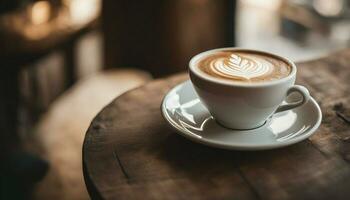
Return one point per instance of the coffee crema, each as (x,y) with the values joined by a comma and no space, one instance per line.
(244,66)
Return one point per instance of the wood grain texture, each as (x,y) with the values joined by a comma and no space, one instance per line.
(130,152)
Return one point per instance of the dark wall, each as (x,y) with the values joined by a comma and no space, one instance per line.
(161,36)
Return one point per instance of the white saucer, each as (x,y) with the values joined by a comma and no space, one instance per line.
(182,109)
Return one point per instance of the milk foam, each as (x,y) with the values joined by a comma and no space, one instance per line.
(241,66)
(244,66)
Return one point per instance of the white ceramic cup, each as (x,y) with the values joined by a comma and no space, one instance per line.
(238,105)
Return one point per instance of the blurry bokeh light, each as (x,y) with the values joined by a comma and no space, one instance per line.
(328,8)
(40,12)
(82,11)
(270,4)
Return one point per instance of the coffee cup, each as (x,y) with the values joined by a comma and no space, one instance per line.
(242,88)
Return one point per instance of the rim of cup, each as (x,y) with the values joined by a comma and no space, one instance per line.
(204,77)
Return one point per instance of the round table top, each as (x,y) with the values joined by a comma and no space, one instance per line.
(130,152)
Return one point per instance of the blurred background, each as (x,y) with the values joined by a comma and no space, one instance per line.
(63,60)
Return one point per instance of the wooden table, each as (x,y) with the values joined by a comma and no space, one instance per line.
(130,152)
(24,43)
(18,168)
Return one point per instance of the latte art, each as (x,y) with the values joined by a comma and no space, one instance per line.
(244,66)
(239,66)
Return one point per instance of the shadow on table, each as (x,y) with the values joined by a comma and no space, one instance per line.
(199,160)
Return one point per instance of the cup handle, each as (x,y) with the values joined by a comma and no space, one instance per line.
(305,98)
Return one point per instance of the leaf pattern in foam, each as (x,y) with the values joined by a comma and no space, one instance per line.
(240,66)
